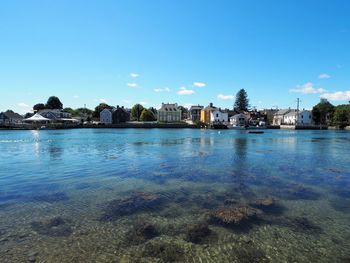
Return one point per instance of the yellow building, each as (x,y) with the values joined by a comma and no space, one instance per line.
(206,113)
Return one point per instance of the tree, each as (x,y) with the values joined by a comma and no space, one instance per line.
(341,117)
(70,110)
(100,108)
(242,102)
(136,112)
(54,103)
(147,115)
(322,112)
(184,112)
(38,106)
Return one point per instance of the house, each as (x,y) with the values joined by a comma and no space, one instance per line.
(239,120)
(305,117)
(290,117)
(293,117)
(169,113)
(57,116)
(278,117)
(106,116)
(195,113)
(10,118)
(211,114)
(120,115)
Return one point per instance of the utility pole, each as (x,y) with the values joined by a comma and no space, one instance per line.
(297,113)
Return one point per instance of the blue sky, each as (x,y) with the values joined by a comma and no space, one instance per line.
(185,51)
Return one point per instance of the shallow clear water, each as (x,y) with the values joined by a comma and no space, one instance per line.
(135,195)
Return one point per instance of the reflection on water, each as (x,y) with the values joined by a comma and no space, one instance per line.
(125,195)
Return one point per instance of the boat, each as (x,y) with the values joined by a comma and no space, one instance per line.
(256,132)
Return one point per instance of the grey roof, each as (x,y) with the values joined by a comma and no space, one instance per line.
(196,107)
(282,111)
(169,107)
(291,113)
(11,115)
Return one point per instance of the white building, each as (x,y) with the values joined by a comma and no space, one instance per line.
(239,120)
(106,116)
(278,117)
(305,117)
(293,117)
(219,116)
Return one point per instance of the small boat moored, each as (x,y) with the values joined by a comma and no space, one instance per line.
(256,132)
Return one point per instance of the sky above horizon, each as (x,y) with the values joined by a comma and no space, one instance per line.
(185,51)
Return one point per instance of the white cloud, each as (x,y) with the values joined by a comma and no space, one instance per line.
(162,90)
(338,95)
(324,76)
(76,97)
(199,84)
(225,97)
(308,88)
(143,102)
(132,85)
(103,101)
(185,91)
(23,105)
(134,75)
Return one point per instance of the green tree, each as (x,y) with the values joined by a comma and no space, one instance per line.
(70,110)
(147,115)
(242,102)
(38,106)
(99,108)
(184,112)
(54,103)
(341,117)
(322,112)
(136,112)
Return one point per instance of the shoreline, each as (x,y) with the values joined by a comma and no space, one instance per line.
(158,126)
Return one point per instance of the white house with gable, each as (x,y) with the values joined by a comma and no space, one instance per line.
(218,116)
(106,116)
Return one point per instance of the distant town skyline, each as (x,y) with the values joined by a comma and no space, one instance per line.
(187,52)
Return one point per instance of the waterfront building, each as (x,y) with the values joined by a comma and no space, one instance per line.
(239,120)
(120,115)
(293,117)
(212,114)
(195,113)
(106,116)
(169,113)
(57,116)
(278,117)
(10,118)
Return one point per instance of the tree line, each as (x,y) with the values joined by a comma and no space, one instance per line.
(325,113)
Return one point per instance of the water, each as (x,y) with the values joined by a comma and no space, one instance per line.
(164,195)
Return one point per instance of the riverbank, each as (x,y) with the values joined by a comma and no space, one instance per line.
(133,125)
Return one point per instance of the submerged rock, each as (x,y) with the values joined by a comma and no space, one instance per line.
(51,198)
(234,214)
(56,226)
(301,224)
(341,204)
(165,251)
(248,252)
(263,202)
(298,192)
(196,233)
(142,231)
(130,205)
(343,192)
